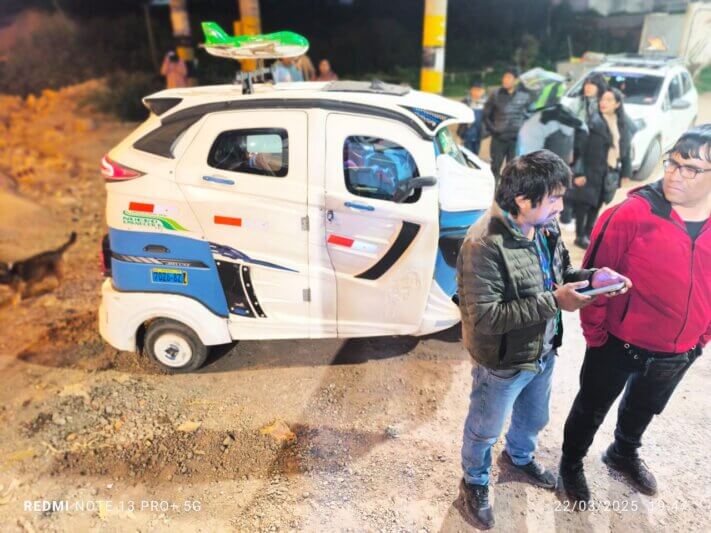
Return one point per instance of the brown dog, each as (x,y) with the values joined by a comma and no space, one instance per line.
(26,277)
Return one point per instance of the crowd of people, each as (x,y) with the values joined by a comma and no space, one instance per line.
(175,70)
(594,140)
(301,69)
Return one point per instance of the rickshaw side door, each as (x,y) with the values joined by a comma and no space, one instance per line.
(245,176)
(382,252)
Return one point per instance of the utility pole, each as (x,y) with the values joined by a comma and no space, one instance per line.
(250,23)
(433,40)
(180,21)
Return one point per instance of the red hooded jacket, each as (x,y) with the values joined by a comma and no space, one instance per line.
(669,307)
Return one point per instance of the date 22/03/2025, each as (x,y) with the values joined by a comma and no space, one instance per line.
(601,505)
(621,506)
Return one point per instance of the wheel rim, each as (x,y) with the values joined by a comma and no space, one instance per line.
(172,350)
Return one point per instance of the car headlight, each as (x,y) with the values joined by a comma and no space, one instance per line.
(639,124)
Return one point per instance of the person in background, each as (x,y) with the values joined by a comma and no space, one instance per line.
(552,126)
(504,113)
(285,70)
(644,344)
(605,157)
(175,71)
(306,67)
(471,134)
(324,71)
(593,87)
(556,128)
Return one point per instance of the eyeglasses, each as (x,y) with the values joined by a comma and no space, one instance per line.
(685,171)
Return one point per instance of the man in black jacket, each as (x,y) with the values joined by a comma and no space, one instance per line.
(504,114)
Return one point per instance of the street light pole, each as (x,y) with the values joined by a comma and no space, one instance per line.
(433,41)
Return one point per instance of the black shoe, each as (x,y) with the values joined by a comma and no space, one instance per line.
(633,468)
(582,242)
(535,472)
(476,501)
(571,479)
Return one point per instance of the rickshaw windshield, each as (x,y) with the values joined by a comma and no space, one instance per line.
(445,144)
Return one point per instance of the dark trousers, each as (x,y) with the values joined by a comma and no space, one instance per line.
(585,217)
(566,216)
(501,149)
(473,145)
(607,370)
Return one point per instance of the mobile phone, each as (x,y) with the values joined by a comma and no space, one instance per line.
(587,291)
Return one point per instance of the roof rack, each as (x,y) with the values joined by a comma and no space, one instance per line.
(652,60)
(375,86)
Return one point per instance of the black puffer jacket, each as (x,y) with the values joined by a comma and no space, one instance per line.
(593,158)
(502,298)
(505,112)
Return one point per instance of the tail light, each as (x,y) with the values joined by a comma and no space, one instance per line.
(105,256)
(113,171)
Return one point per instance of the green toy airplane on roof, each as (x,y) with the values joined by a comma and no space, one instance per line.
(265,46)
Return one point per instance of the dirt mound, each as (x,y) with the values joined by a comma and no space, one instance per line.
(50,149)
(210,455)
(74,342)
(125,428)
(33,133)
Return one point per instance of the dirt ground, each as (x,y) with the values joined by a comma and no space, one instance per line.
(328,435)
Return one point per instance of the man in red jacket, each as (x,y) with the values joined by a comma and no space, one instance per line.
(645,341)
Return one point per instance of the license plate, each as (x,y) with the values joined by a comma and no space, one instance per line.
(169,275)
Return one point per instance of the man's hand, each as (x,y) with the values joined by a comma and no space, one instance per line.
(580,181)
(606,276)
(568,298)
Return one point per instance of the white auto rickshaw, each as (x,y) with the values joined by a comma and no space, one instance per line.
(293,210)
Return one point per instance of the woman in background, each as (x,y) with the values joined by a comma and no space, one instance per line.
(593,88)
(604,158)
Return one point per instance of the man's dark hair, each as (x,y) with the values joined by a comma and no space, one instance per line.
(512,69)
(532,176)
(690,144)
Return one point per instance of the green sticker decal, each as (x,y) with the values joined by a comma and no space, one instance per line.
(147,220)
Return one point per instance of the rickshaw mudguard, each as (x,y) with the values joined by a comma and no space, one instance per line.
(164,263)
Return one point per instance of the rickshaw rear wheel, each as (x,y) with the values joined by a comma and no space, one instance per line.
(174,346)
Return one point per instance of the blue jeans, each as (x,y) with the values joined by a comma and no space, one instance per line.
(495,394)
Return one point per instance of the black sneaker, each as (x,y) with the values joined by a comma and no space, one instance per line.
(476,502)
(571,480)
(633,468)
(535,472)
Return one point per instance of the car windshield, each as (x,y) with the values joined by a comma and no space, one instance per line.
(638,88)
(445,144)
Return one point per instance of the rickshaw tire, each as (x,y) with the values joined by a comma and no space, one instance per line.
(162,326)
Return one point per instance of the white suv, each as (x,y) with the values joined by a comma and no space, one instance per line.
(660,97)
